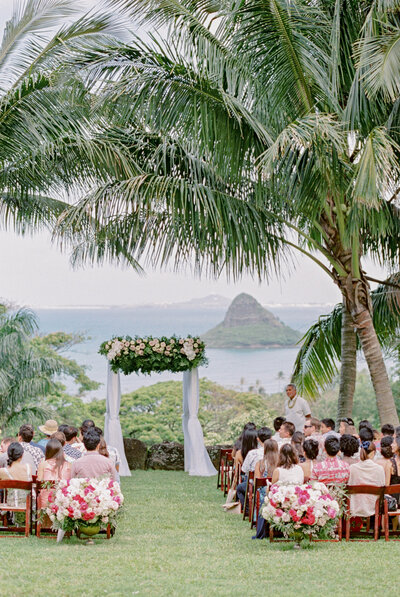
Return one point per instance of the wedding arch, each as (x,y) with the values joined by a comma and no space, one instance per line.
(154,355)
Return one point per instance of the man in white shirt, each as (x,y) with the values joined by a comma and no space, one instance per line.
(297,410)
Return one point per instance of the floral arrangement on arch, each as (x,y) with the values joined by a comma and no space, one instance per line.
(83,502)
(302,511)
(147,355)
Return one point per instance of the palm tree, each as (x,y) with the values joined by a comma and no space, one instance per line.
(256,129)
(50,140)
(322,347)
(25,375)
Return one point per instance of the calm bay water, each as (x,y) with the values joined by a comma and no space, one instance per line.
(231,368)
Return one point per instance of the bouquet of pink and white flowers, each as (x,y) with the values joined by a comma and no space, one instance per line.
(302,511)
(78,502)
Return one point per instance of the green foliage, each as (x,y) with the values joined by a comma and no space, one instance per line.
(30,370)
(154,413)
(147,355)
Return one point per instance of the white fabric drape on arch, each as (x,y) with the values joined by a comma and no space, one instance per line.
(112,426)
(197,460)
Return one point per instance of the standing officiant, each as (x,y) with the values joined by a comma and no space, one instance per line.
(297,410)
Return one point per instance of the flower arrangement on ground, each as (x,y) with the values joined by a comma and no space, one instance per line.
(147,355)
(301,512)
(84,502)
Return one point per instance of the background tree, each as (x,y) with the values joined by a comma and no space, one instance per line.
(257,128)
(317,362)
(31,369)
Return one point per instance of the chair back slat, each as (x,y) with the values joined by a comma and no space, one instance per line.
(391,489)
(11,484)
(365,489)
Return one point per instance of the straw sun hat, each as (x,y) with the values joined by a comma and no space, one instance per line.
(50,427)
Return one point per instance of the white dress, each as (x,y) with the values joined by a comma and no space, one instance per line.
(294,474)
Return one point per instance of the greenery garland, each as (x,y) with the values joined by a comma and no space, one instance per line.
(148,355)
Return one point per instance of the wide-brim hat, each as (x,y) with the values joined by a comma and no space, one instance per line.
(50,427)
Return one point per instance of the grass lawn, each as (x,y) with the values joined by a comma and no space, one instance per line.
(174,539)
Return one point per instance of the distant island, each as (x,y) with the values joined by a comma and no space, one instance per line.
(248,324)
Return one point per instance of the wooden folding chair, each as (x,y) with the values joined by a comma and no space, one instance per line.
(249,493)
(390,490)
(5,507)
(223,468)
(255,502)
(365,490)
(39,526)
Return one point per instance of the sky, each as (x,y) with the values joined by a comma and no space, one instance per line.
(35,273)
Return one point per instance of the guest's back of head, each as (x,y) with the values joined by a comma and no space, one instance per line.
(386,447)
(249,442)
(311,448)
(332,445)
(264,433)
(297,443)
(26,432)
(14,452)
(287,456)
(387,429)
(70,432)
(366,434)
(271,457)
(349,445)
(277,423)
(91,440)
(60,436)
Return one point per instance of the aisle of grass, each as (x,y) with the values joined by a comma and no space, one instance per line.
(174,539)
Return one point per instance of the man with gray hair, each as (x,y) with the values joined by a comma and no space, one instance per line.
(297,410)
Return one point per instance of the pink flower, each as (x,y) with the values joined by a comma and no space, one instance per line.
(294,515)
(331,512)
(279,512)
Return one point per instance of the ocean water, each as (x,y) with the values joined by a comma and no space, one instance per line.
(232,368)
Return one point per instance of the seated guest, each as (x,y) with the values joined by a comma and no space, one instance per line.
(238,443)
(71,452)
(349,447)
(364,424)
(395,460)
(331,470)
(253,456)
(344,426)
(53,468)
(328,429)
(92,464)
(311,449)
(365,472)
(286,432)
(16,470)
(25,435)
(366,434)
(266,466)
(297,444)
(50,427)
(386,461)
(111,451)
(387,430)
(288,469)
(249,443)
(277,423)
(26,458)
(312,428)
(84,427)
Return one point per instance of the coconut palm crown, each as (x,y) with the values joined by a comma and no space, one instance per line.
(257,129)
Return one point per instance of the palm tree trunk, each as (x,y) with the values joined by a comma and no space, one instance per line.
(348,370)
(380,379)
